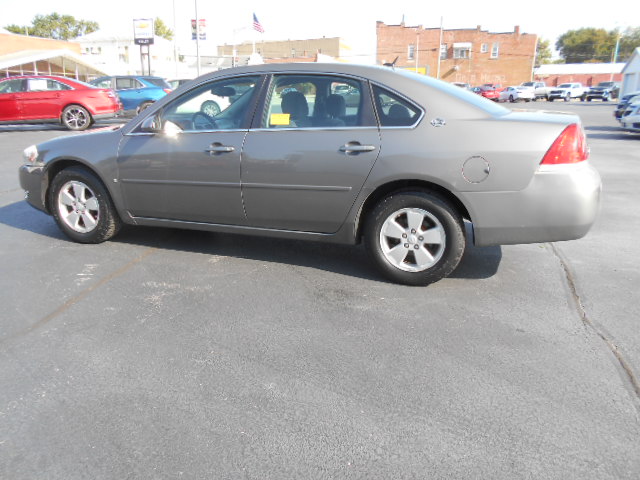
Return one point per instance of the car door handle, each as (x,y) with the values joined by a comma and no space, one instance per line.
(355,147)
(219,148)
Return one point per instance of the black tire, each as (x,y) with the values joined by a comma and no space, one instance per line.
(95,218)
(210,107)
(605,97)
(440,219)
(143,106)
(589,99)
(511,99)
(567,98)
(76,117)
(549,99)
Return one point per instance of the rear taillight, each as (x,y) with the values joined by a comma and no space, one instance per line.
(167,90)
(569,147)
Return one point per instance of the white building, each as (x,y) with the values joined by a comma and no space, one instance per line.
(117,54)
(631,74)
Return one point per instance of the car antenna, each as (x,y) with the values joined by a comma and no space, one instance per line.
(392,64)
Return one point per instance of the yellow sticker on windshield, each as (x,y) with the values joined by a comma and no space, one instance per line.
(280,119)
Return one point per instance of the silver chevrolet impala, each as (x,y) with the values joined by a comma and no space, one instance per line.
(327,152)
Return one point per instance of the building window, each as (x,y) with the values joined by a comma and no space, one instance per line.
(443,51)
(484,48)
(462,51)
(495,49)
(411,52)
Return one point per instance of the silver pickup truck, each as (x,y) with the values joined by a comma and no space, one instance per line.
(540,89)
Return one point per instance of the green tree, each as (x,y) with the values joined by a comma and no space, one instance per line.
(162,30)
(586,45)
(54,25)
(543,52)
(629,41)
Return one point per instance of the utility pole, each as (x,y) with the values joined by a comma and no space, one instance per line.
(417,48)
(439,52)
(615,56)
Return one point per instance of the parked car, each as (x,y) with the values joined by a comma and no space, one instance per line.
(631,118)
(567,91)
(516,93)
(604,91)
(540,89)
(136,92)
(178,82)
(49,99)
(402,172)
(489,92)
(625,101)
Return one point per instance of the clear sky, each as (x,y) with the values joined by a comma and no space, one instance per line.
(354,20)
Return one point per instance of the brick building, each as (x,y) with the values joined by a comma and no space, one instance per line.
(467,55)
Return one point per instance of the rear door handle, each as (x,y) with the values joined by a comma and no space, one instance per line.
(355,147)
(219,148)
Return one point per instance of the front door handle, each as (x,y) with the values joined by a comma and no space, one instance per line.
(219,148)
(355,147)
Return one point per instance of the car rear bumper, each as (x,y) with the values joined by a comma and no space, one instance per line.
(560,203)
(31,177)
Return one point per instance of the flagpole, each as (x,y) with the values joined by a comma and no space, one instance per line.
(197,38)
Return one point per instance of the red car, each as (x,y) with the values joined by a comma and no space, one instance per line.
(40,98)
(489,91)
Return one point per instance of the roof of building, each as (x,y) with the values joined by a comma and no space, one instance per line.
(70,59)
(578,68)
(634,55)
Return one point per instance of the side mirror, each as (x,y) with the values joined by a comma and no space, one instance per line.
(151,124)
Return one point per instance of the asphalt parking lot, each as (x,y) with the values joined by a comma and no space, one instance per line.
(182,354)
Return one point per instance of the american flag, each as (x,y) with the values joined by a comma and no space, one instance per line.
(256,24)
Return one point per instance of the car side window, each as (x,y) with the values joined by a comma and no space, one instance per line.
(105,83)
(127,83)
(218,105)
(394,111)
(12,86)
(314,101)
(55,85)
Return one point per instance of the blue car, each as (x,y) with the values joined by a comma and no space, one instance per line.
(136,92)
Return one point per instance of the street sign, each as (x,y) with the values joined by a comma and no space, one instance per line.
(143,31)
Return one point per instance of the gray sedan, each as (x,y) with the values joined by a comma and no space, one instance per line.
(401,168)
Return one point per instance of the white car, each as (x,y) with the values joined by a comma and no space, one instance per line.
(631,118)
(519,92)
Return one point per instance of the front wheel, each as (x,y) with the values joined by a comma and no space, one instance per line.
(415,238)
(75,117)
(81,206)
(567,98)
(511,99)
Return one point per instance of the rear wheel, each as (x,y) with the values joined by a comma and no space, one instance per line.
(81,206)
(143,106)
(75,117)
(415,238)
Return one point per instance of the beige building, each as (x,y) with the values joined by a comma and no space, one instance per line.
(287,50)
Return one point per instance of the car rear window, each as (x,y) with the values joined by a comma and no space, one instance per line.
(158,82)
